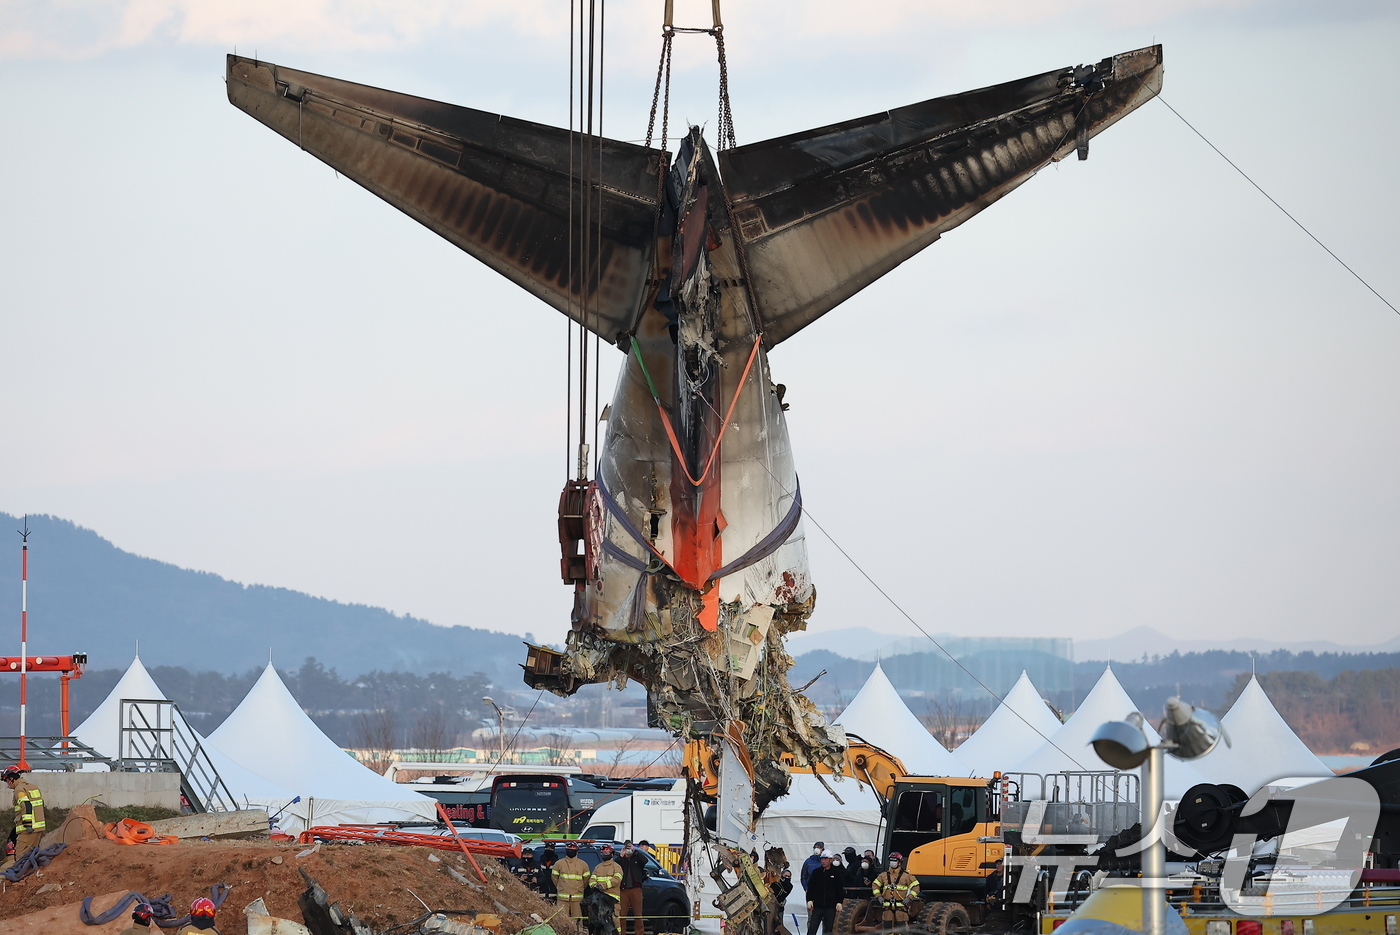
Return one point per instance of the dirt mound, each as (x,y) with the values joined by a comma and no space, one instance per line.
(377,883)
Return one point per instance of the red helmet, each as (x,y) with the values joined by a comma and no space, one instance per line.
(142,913)
(896,857)
(11,772)
(203,907)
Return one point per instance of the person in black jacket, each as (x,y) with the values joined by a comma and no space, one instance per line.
(634,874)
(826,890)
(548,858)
(851,861)
(870,866)
(782,889)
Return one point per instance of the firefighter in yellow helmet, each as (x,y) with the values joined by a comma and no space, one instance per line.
(895,889)
(29,815)
(570,879)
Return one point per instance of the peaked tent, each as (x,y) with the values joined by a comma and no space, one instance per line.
(270,733)
(102,728)
(102,731)
(1263,748)
(1016,729)
(1068,748)
(877,714)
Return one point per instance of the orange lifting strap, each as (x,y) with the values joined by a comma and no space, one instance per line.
(131,831)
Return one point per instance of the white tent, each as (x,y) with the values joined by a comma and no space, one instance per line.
(1068,748)
(1016,729)
(1263,748)
(878,715)
(270,733)
(102,731)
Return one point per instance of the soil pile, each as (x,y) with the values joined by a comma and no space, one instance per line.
(378,884)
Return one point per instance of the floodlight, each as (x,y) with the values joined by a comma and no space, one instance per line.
(1194,731)
(1122,744)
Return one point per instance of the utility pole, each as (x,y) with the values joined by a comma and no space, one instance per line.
(500,729)
(23,637)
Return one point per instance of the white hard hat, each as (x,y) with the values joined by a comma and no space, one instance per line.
(827,854)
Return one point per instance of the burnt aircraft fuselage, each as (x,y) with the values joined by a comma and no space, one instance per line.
(686,549)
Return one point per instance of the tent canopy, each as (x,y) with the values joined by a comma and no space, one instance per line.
(102,728)
(269,732)
(1017,728)
(1068,748)
(102,731)
(877,714)
(1262,749)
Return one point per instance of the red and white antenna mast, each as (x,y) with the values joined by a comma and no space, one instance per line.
(23,636)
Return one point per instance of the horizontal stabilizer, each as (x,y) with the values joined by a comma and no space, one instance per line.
(822,214)
(501,189)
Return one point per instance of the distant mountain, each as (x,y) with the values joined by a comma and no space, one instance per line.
(1145,640)
(851,642)
(87,595)
(867,645)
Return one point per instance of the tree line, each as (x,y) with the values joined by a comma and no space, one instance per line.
(1354,711)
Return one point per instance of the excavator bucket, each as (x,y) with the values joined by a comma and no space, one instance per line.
(497,187)
(821,215)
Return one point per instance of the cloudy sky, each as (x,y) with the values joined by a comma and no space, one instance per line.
(1130,394)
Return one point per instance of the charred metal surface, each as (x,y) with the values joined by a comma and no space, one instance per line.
(496,187)
(823,214)
(692,551)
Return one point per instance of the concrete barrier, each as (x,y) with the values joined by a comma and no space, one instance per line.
(65,790)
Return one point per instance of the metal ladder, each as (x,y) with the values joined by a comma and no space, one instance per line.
(156,738)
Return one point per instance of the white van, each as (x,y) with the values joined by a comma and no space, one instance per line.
(658,817)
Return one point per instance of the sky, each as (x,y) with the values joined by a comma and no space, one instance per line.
(1132,393)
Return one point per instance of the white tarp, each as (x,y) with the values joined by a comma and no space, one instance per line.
(1068,748)
(1263,748)
(808,813)
(878,715)
(269,732)
(1017,728)
(102,731)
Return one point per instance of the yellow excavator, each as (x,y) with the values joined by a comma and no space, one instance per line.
(948,828)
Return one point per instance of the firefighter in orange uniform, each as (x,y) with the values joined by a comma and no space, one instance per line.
(570,878)
(895,889)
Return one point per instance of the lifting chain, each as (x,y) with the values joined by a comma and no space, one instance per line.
(726,114)
(661,95)
(662,68)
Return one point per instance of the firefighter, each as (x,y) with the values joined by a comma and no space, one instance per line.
(607,876)
(894,889)
(29,815)
(570,877)
(202,915)
(142,916)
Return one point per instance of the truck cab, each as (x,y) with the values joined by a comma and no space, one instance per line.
(948,829)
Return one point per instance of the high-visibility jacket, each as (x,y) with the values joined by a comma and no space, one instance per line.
(570,877)
(896,887)
(608,876)
(29,807)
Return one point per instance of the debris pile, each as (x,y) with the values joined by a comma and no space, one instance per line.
(353,889)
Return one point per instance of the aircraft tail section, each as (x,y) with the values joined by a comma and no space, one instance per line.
(822,214)
(497,187)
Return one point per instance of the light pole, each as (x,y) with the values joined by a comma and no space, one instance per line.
(1187,733)
(500,729)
